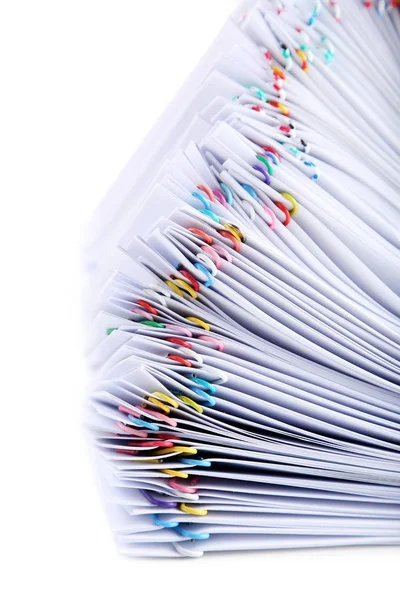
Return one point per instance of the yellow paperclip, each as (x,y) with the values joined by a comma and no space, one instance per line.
(279,72)
(180,474)
(156,402)
(205,326)
(193,511)
(289,197)
(232,231)
(301,55)
(180,449)
(174,288)
(191,403)
(284,109)
(167,399)
(239,231)
(185,286)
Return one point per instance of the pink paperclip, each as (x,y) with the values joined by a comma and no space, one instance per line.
(181,330)
(219,195)
(161,417)
(130,452)
(218,343)
(131,431)
(155,444)
(216,258)
(272,215)
(223,252)
(129,411)
(181,488)
(142,313)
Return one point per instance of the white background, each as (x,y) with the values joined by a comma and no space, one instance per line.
(83,81)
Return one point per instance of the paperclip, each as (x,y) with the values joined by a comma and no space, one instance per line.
(190,402)
(197,321)
(210,279)
(283,208)
(289,197)
(189,510)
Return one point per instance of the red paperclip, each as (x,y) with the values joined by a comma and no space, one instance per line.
(229,236)
(179,342)
(193,281)
(204,236)
(287,213)
(147,307)
(180,359)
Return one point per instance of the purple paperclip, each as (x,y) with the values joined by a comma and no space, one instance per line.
(156,502)
(264,173)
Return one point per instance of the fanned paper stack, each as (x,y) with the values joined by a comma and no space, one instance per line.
(244,296)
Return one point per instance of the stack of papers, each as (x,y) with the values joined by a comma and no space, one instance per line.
(243,296)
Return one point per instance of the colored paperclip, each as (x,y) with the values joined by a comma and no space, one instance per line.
(185,489)
(172,473)
(190,510)
(249,189)
(195,463)
(144,424)
(209,400)
(203,269)
(157,502)
(220,197)
(206,190)
(176,450)
(227,193)
(209,387)
(190,402)
(165,524)
(206,338)
(214,255)
(185,286)
(267,162)
(264,173)
(289,197)
(191,536)
(197,321)
(283,208)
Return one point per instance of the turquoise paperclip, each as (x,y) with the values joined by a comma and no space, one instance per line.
(169,525)
(192,536)
(209,400)
(142,423)
(205,201)
(209,387)
(250,190)
(227,193)
(209,213)
(195,463)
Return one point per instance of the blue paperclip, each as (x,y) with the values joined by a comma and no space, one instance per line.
(209,387)
(209,213)
(210,279)
(273,158)
(250,190)
(195,463)
(227,193)
(192,536)
(168,524)
(209,400)
(205,201)
(142,423)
